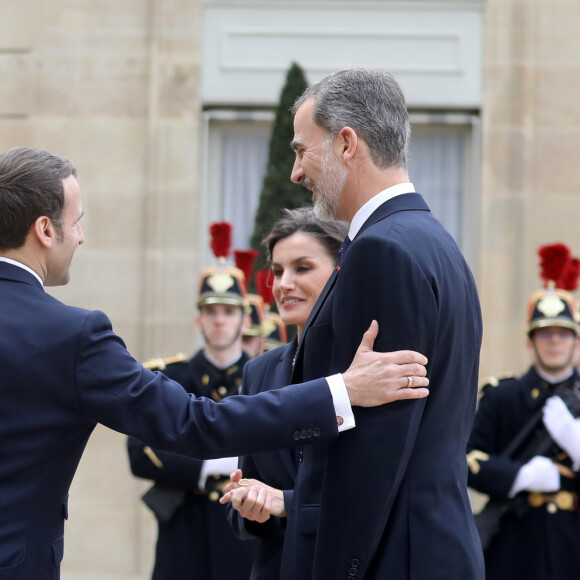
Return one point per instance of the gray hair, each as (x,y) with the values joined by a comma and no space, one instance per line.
(369,101)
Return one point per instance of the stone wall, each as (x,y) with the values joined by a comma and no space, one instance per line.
(114,86)
(530,169)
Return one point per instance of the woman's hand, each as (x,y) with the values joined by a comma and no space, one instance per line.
(254,500)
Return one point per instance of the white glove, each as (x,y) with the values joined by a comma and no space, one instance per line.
(563,428)
(222,466)
(538,474)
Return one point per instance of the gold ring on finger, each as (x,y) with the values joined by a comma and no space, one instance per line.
(410,379)
(245,482)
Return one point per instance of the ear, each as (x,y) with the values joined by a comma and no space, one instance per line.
(246,323)
(44,231)
(347,139)
(530,347)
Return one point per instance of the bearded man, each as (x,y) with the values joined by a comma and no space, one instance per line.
(389,499)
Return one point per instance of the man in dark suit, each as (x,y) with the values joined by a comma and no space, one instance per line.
(389,498)
(64,371)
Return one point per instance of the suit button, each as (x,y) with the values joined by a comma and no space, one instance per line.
(354,563)
(309,433)
(296,435)
(303,434)
(316,432)
(353,572)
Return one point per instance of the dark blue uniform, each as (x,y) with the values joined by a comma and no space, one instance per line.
(195,541)
(541,539)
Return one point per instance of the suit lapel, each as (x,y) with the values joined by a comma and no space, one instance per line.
(321,300)
(405,202)
(297,372)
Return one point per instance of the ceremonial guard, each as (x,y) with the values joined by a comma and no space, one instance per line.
(194,540)
(253,339)
(275,333)
(524,451)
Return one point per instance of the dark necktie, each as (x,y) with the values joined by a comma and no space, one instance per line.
(343,249)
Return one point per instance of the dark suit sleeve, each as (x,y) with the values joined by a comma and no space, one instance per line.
(115,390)
(489,472)
(380,281)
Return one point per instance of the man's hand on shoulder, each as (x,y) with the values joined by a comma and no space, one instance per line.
(376,378)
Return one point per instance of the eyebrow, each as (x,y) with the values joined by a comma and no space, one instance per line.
(300,259)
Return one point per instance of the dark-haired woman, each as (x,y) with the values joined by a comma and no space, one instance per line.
(302,250)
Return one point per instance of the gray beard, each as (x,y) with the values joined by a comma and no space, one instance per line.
(329,187)
(324,209)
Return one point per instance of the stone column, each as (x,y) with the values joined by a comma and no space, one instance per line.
(530,175)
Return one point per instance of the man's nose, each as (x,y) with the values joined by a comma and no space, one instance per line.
(297,175)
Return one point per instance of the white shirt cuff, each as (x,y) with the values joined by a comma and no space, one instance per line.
(221,466)
(341,401)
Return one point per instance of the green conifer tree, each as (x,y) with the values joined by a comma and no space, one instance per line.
(278,191)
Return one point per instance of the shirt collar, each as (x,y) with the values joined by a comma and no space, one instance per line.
(554,380)
(21,265)
(219,365)
(363,214)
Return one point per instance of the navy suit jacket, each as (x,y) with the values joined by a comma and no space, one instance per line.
(64,371)
(270,370)
(389,498)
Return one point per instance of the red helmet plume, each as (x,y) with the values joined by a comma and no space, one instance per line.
(558,266)
(264,286)
(221,239)
(245,262)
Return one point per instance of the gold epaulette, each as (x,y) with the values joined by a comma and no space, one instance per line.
(159,364)
(494,381)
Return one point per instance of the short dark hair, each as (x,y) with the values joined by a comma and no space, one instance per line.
(329,233)
(30,187)
(371,102)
